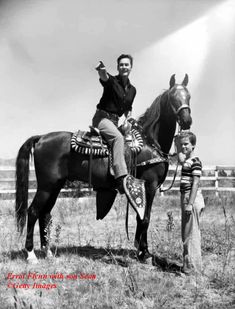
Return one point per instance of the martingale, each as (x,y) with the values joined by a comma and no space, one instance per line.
(86,142)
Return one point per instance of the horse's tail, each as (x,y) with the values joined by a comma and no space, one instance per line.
(22,180)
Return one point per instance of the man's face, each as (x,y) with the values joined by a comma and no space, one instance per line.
(124,67)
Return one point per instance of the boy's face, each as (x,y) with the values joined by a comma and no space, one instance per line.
(186,146)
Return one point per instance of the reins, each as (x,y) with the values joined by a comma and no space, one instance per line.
(175,173)
(173,180)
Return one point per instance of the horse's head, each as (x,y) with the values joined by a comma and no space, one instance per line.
(178,98)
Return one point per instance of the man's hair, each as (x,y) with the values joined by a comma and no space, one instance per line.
(190,135)
(125,56)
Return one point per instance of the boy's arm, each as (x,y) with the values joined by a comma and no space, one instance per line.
(193,193)
(103,74)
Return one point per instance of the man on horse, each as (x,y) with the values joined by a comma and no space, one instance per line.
(116,101)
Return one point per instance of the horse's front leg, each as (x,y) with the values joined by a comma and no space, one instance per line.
(141,241)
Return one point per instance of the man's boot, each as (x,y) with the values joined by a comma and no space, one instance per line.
(119,184)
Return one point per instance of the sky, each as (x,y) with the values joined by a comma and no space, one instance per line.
(48,51)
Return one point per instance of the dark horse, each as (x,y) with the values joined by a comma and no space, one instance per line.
(55,163)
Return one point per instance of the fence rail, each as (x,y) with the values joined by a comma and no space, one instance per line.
(214,179)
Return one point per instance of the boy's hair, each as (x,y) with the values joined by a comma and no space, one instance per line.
(191,136)
(125,56)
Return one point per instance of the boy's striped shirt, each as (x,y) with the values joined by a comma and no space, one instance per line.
(191,167)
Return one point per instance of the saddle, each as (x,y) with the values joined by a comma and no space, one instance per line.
(91,142)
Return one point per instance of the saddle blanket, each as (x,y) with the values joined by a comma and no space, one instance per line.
(86,142)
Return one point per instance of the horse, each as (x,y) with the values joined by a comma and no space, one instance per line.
(55,162)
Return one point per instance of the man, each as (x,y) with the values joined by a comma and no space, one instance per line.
(117,99)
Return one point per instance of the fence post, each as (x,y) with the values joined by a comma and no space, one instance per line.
(216,181)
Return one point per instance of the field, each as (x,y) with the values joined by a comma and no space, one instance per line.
(95,266)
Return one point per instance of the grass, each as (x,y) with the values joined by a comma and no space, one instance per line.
(95,266)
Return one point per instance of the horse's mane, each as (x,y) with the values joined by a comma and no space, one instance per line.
(149,121)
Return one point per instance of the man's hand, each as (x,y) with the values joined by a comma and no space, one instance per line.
(125,127)
(101,69)
(100,66)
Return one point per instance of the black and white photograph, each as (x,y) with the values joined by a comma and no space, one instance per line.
(117,154)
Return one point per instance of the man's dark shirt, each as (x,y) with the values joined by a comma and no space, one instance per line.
(116,98)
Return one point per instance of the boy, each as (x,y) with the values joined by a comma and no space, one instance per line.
(192,202)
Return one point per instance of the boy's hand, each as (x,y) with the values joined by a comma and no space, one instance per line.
(188,210)
(188,207)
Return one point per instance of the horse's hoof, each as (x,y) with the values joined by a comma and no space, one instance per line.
(48,253)
(32,259)
(145,257)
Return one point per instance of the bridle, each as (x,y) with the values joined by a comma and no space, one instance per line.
(183,106)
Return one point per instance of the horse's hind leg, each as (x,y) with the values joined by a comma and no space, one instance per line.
(45,222)
(39,204)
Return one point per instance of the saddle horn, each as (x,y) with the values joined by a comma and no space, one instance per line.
(172,81)
(185,81)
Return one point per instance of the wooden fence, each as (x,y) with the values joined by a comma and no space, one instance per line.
(214,179)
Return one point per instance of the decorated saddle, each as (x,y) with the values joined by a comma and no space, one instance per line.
(135,192)
(92,142)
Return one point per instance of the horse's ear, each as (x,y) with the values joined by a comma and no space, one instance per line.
(185,81)
(172,81)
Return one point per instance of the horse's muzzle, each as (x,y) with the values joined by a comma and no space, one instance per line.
(185,119)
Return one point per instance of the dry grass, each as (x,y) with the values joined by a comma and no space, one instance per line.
(83,245)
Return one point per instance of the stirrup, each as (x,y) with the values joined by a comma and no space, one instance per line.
(135,192)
